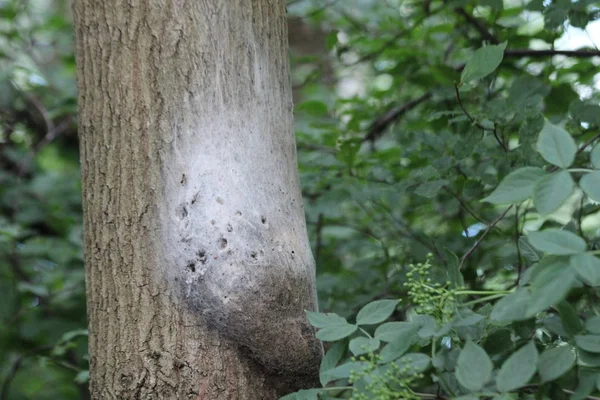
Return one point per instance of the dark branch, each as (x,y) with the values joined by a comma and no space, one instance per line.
(478,242)
(380,124)
(582,53)
(483,31)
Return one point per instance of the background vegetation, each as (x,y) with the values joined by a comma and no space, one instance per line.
(448,162)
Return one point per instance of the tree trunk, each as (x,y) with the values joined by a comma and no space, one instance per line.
(198,264)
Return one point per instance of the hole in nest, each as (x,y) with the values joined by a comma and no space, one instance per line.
(191,266)
(254,254)
(202,256)
(229,228)
(263,219)
(222,243)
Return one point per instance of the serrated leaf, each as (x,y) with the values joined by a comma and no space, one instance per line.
(391,330)
(511,307)
(483,62)
(551,191)
(554,363)
(527,250)
(376,312)
(333,333)
(589,343)
(330,360)
(593,324)
(595,156)
(430,189)
(587,267)
(518,369)
(553,241)
(556,145)
(590,184)
(473,367)
(516,186)
(362,345)
(550,287)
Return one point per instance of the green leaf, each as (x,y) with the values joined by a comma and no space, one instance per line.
(431,189)
(593,324)
(518,369)
(553,241)
(363,345)
(555,362)
(483,62)
(589,343)
(496,5)
(550,287)
(586,384)
(397,347)
(569,318)
(413,362)
(453,273)
(473,367)
(82,377)
(556,145)
(333,333)
(595,156)
(587,267)
(516,186)
(590,184)
(392,330)
(321,320)
(376,312)
(512,307)
(551,191)
(330,360)
(344,370)
(313,107)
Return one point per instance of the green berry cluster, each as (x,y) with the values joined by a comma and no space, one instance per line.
(389,382)
(430,298)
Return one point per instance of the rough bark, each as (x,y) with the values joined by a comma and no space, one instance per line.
(198,265)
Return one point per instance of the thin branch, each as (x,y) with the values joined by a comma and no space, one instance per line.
(477,124)
(380,124)
(483,31)
(483,235)
(465,206)
(587,143)
(551,52)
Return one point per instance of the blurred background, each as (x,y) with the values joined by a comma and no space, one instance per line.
(392,166)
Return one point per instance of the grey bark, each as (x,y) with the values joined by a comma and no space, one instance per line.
(197,260)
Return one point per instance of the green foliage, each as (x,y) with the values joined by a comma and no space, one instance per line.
(471,196)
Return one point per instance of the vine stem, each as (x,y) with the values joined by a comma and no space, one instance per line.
(484,299)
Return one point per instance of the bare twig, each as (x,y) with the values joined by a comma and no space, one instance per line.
(483,31)
(477,124)
(483,235)
(465,205)
(380,124)
(546,53)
